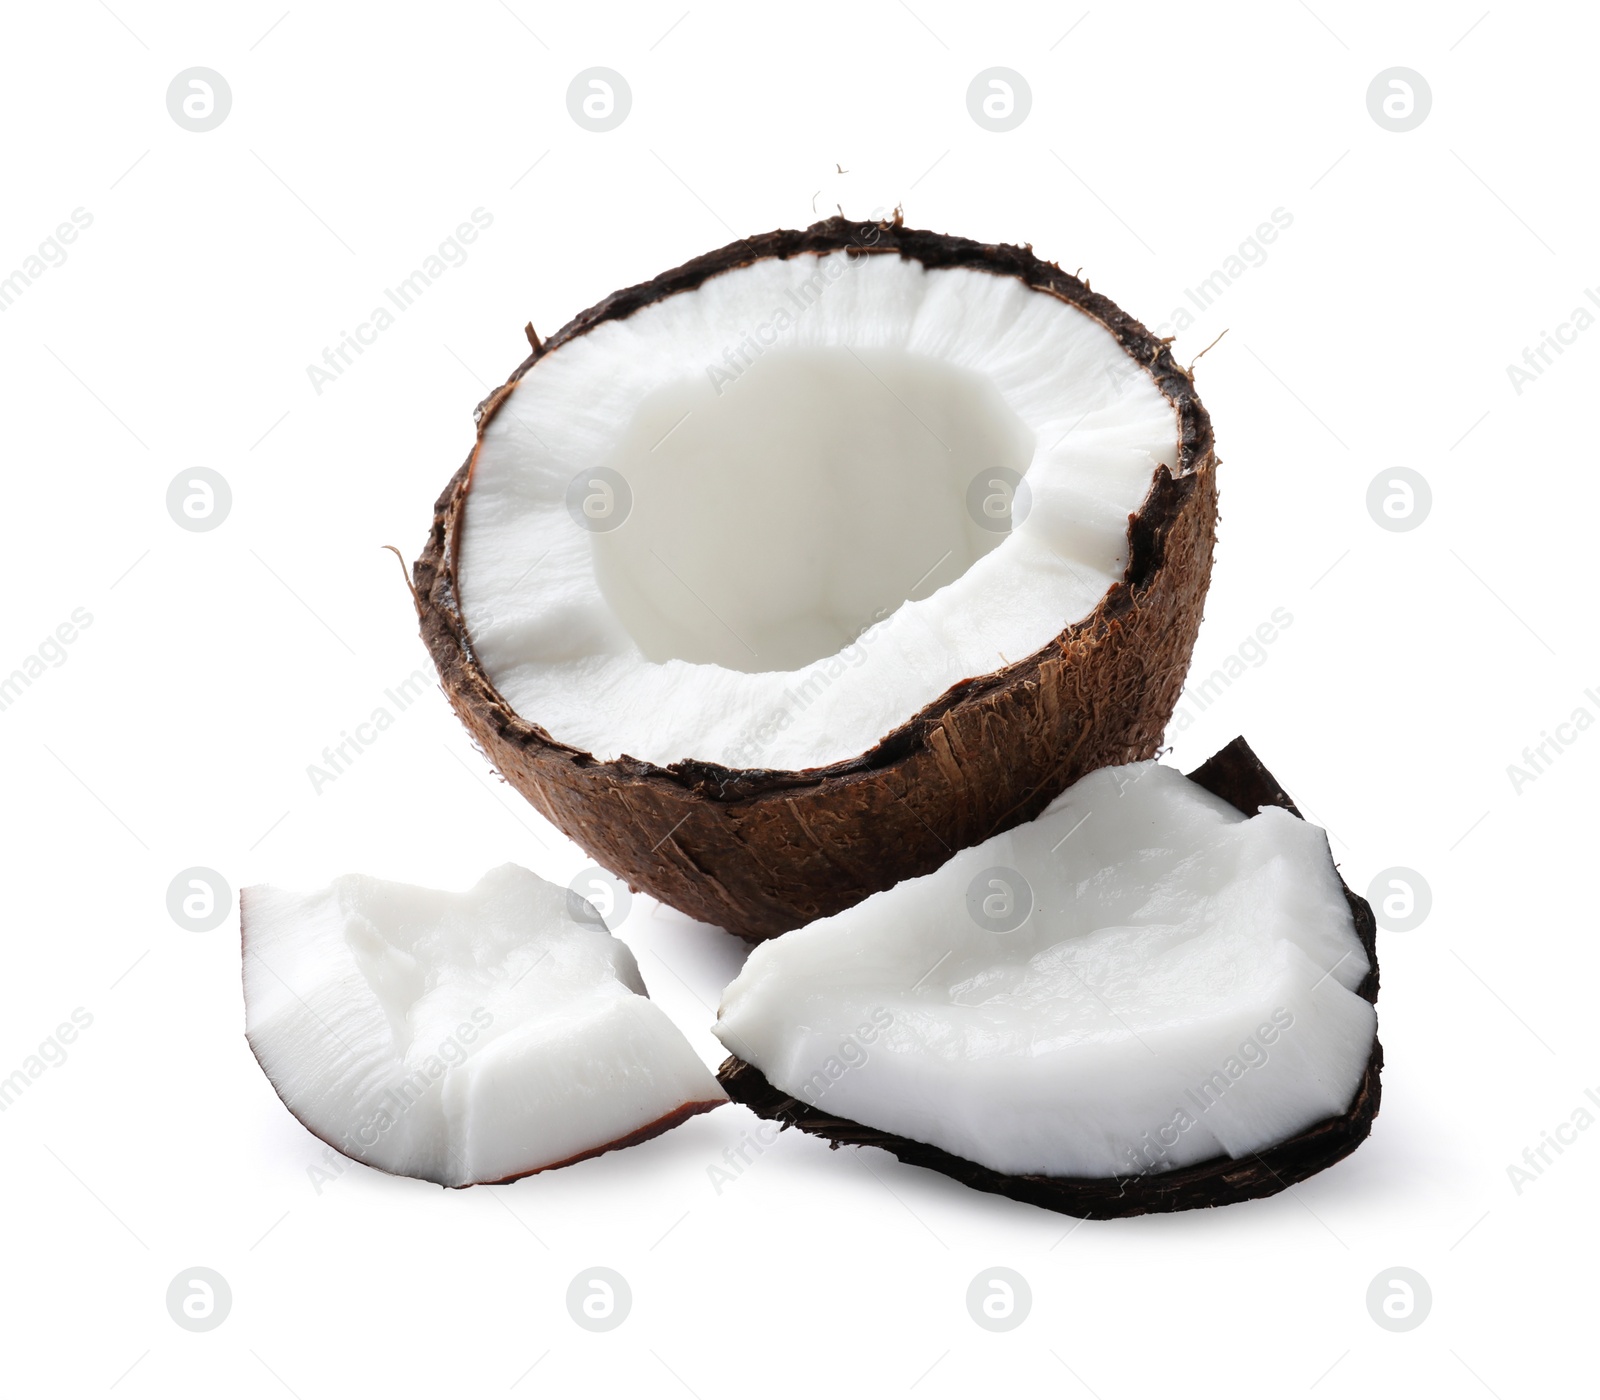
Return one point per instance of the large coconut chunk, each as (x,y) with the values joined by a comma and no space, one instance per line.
(1140,980)
(459,1038)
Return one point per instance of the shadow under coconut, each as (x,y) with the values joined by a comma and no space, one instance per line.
(942,1205)
(702,956)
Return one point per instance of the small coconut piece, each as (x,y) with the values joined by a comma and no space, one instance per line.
(460,1038)
(1173,1006)
(778,578)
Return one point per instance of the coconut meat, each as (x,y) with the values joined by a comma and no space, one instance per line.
(764,522)
(458,1037)
(1182,986)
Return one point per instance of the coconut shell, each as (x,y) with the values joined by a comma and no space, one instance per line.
(1236,775)
(760,851)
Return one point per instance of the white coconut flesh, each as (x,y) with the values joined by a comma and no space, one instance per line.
(1182,988)
(458,1037)
(764,522)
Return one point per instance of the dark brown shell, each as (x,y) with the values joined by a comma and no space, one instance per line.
(759,851)
(1236,775)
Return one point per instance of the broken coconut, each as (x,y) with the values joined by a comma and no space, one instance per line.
(460,1038)
(773,581)
(1156,995)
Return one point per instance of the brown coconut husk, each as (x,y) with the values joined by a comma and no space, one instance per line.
(758,850)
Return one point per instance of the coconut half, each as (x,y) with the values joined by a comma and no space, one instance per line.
(1156,995)
(778,579)
(460,1038)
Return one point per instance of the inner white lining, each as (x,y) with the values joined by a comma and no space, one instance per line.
(774,523)
(799,566)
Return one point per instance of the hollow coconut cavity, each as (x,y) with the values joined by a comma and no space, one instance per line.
(460,1038)
(1157,994)
(775,579)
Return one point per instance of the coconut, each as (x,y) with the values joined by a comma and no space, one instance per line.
(1156,995)
(777,579)
(463,1037)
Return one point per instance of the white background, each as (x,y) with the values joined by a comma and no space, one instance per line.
(218,665)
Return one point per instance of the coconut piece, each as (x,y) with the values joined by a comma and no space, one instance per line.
(460,1038)
(777,579)
(1174,1007)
